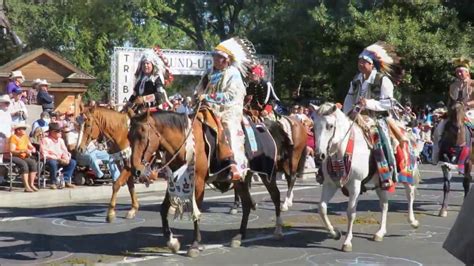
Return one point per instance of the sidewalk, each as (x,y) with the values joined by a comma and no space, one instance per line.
(17,198)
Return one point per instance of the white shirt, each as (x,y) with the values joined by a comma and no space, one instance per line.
(5,129)
(16,106)
(386,94)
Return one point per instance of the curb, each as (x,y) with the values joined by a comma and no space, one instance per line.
(59,197)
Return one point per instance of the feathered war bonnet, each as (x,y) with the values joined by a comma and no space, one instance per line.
(383,56)
(241,53)
(160,64)
(463,63)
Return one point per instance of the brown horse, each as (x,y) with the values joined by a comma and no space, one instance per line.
(454,137)
(167,131)
(114,127)
(291,156)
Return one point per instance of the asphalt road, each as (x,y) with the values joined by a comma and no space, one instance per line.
(78,234)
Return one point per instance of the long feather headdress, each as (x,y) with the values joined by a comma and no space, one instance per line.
(241,52)
(384,58)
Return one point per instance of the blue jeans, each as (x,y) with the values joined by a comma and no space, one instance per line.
(67,170)
(103,156)
(427,151)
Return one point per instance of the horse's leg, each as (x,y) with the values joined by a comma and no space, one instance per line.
(235,208)
(466,183)
(384,208)
(354,191)
(410,192)
(290,179)
(124,176)
(244,193)
(329,190)
(131,189)
(446,188)
(172,243)
(275,195)
(199,189)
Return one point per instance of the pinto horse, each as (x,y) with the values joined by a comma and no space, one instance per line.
(334,129)
(454,146)
(170,132)
(291,156)
(114,127)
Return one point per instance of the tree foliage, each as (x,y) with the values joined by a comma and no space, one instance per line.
(315,43)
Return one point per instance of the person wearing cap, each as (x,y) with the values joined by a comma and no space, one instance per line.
(16,79)
(18,109)
(43,98)
(42,123)
(21,150)
(224,90)
(460,91)
(151,77)
(371,94)
(54,150)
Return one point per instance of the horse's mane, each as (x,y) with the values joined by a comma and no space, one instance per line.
(166,118)
(326,109)
(109,119)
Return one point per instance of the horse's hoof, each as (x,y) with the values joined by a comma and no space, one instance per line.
(415,224)
(193,252)
(110,218)
(233,211)
(235,243)
(174,245)
(443,213)
(284,208)
(278,235)
(347,248)
(131,214)
(378,238)
(336,235)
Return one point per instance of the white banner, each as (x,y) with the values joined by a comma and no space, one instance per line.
(125,62)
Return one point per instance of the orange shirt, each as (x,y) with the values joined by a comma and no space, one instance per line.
(21,143)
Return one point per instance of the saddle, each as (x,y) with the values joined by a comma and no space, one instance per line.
(209,119)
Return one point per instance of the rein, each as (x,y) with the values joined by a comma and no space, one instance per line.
(345,135)
(175,155)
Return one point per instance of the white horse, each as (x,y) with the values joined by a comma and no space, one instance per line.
(332,130)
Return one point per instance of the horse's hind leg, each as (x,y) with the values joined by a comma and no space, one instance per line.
(193,250)
(244,193)
(446,188)
(124,176)
(328,192)
(410,192)
(379,235)
(466,183)
(351,213)
(275,195)
(172,243)
(235,208)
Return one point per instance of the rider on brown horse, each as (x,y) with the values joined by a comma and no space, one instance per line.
(259,93)
(224,90)
(460,92)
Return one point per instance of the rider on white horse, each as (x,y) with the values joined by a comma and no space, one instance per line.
(460,91)
(371,92)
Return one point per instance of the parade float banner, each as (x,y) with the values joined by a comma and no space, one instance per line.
(125,62)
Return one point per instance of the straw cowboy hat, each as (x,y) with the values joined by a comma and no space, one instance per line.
(20,125)
(43,82)
(5,98)
(17,74)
